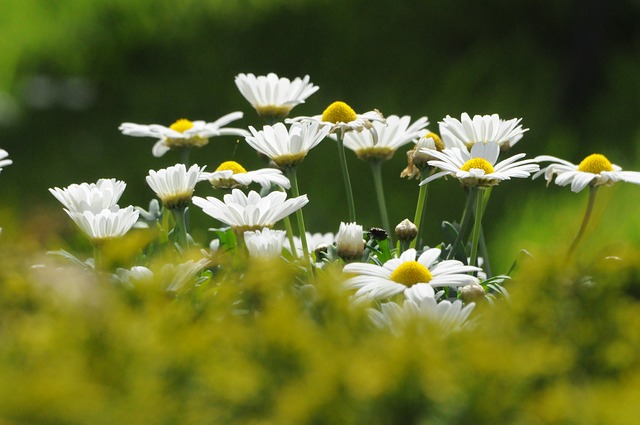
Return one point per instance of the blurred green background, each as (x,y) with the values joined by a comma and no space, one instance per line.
(72,70)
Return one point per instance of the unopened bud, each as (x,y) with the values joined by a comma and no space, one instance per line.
(472,293)
(406,231)
(378,233)
(349,241)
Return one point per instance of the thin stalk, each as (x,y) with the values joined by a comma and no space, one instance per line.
(181,227)
(475,236)
(483,243)
(464,222)
(98,257)
(184,156)
(289,228)
(295,192)
(585,221)
(376,169)
(420,210)
(347,181)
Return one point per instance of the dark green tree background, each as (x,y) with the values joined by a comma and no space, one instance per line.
(73,70)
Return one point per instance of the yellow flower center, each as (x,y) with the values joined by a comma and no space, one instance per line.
(436,139)
(411,272)
(339,112)
(479,163)
(181,125)
(595,164)
(233,166)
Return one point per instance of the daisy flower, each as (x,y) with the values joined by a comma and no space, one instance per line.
(416,313)
(349,241)
(478,167)
(250,212)
(273,97)
(4,160)
(174,185)
(340,118)
(467,131)
(106,224)
(417,159)
(315,241)
(184,133)
(287,148)
(94,197)
(397,132)
(594,170)
(265,243)
(230,175)
(415,278)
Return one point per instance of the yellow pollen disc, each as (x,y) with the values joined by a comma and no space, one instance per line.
(181,125)
(479,163)
(339,112)
(411,272)
(595,164)
(436,139)
(233,166)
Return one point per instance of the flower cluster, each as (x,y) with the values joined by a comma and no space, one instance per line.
(393,270)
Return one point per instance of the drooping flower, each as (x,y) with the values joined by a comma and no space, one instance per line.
(478,168)
(273,97)
(417,159)
(94,197)
(594,170)
(396,132)
(174,185)
(265,243)
(340,118)
(184,133)
(106,224)
(415,278)
(4,159)
(231,174)
(250,212)
(287,147)
(467,131)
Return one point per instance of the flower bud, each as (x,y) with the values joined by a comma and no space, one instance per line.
(472,293)
(406,231)
(349,241)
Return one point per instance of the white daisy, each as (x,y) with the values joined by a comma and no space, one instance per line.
(594,170)
(94,197)
(479,168)
(466,132)
(287,148)
(340,118)
(273,97)
(417,160)
(184,133)
(230,175)
(250,212)
(420,314)
(413,278)
(349,241)
(397,132)
(4,160)
(265,243)
(174,185)
(106,224)
(314,241)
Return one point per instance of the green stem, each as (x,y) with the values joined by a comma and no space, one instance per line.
(585,221)
(483,243)
(464,223)
(184,156)
(376,169)
(295,192)
(181,227)
(347,181)
(475,236)
(98,257)
(292,244)
(420,209)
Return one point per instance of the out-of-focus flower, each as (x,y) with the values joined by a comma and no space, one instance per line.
(478,168)
(4,159)
(250,212)
(94,197)
(106,224)
(273,97)
(265,243)
(231,174)
(184,133)
(174,185)
(594,170)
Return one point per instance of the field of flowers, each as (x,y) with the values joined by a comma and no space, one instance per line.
(270,322)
